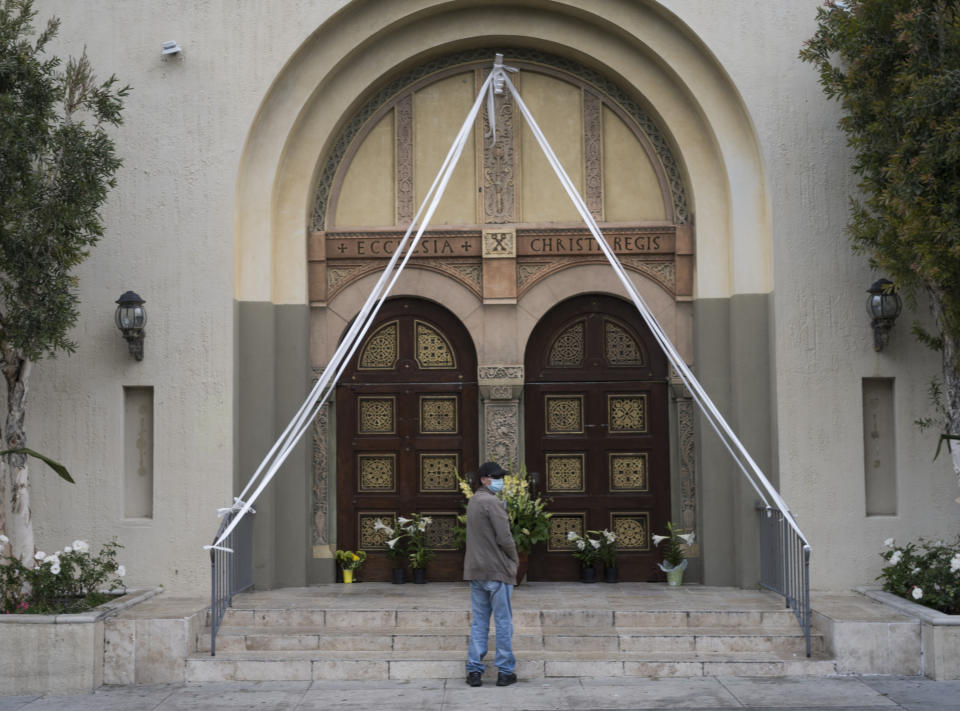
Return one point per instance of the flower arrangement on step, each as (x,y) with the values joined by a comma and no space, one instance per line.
(418,550)
(67,581)
(674,558)
(529,519)
(460,527)
(924,572)
(607,553)
(396,551)
(587,551)
(350,563)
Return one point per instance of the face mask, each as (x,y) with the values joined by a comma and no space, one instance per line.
(495,485)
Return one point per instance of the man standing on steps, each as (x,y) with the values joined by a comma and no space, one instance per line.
(490,564)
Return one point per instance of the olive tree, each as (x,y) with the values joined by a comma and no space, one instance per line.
(894,66)
(57,163)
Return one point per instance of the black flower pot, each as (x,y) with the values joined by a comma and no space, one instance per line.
(419,576)
(588,575)
(398,578)
(610,575)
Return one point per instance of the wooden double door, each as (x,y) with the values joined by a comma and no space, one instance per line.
(597,433)
(406,426)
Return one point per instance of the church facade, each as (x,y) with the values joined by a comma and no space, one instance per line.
(271,169)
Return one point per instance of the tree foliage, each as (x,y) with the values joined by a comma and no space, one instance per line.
(57,163)
(894,66)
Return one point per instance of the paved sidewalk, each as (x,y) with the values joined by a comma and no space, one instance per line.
(702,693)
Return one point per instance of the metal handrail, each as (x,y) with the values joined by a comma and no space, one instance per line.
(231,567)
(785,563)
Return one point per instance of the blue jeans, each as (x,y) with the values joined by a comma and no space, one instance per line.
(488,596)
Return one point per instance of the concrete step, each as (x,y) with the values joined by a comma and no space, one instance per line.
(308,665)
(379,619)
(619,639)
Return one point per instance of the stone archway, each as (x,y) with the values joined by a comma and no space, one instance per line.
(643,47)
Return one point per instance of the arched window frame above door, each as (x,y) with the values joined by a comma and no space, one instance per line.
(395,94)
(660,247)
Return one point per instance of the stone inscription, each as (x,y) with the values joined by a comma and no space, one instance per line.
(499,243)
(503,243)
(379,247)
(635,243)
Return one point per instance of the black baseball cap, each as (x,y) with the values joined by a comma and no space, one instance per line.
(491,470)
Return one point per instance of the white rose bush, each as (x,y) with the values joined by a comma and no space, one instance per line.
(69,580)
(925,572)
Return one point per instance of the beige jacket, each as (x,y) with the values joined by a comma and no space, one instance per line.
(491,553)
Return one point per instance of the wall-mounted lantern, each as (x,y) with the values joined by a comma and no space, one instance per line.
(883,306)
(131,317)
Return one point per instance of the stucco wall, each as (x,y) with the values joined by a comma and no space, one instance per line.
(822,339)
(216,184)
(170,237)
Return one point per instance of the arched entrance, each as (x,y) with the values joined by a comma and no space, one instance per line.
(597,432)
(406,425)
(300,134)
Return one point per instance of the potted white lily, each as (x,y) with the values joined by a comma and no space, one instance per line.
(674,560)
(587,551)
(418,551)
(396,552)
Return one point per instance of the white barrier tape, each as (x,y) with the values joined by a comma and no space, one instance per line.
(356,331)
(237,505)
(361,324)
(495,88)
(733,445)
(218,548)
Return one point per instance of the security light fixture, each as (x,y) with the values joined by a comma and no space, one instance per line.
(170,47)
(883,306)
(130,318)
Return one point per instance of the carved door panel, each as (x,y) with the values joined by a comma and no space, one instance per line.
(597,433)
(406,425)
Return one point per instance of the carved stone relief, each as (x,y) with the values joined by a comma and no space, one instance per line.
(501,392)
(500,382)
(530,272)
(502,431)
(466,272)
(469,274)
(404,128)
(499,181)
(688,462)
(318,533)
(337,277)
(593,153)
(499,244)
(500,372)
(663,272)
